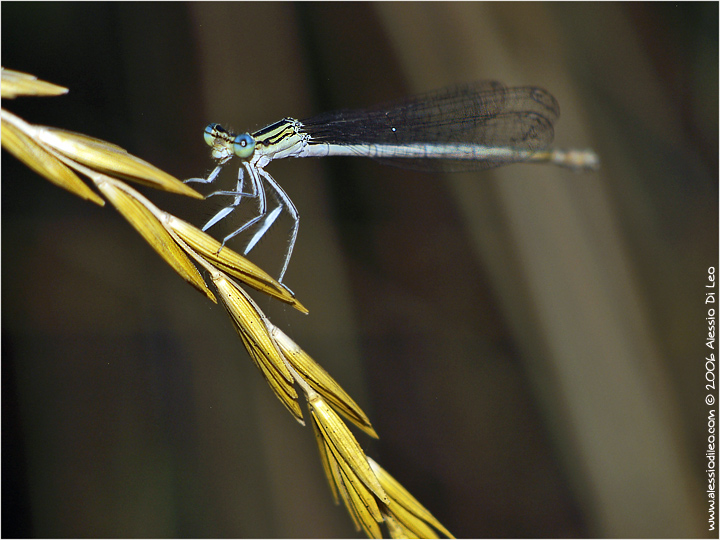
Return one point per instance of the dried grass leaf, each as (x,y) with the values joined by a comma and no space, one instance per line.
(396,529)
(16,140)
(417,527)
(152,230)
(233,263)
(345,496)
(284,391)
(110,159)
(325,459)
(362,503)
(252,327)
(321,381)
(16,83)
(343,445)
(359,501)
(336,479)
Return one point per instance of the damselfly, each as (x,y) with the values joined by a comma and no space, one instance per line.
(461,128)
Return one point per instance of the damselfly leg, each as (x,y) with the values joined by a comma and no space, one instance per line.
(264,219)
(238,194)
(284,203)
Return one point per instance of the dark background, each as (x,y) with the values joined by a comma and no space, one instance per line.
(528,342)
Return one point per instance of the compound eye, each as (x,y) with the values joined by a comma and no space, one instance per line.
(212,133)
(243,146)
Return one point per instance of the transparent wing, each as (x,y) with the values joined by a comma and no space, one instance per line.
(481,113)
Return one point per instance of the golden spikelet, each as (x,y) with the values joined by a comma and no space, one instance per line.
(347,468)
(17,139)
(16,83)
(321,381)
(144,217)
(252,327)
(233,263)
(110,159)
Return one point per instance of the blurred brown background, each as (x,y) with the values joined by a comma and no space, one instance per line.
(528,342)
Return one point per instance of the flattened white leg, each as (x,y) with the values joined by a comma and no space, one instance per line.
(211,177)
(258,191)
(238,194)
(239,187)
(220,215)
(284,202)
(264,227)
(225,211)
(247,225)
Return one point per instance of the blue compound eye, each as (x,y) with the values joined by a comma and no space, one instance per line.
(212,133)
(243,146)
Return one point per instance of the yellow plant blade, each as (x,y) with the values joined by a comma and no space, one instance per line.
(16,83)
(145,222)
(284,391)
(19,143)
(344,446)
(325,459)
(401,497)
(233,263)
(396,529)
(252,328)
(363,505)
(111,159)
(251,322)
(321,381)
(409,521)
(337,480)
(359,501)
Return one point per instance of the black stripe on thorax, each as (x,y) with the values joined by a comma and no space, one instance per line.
(281,127)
